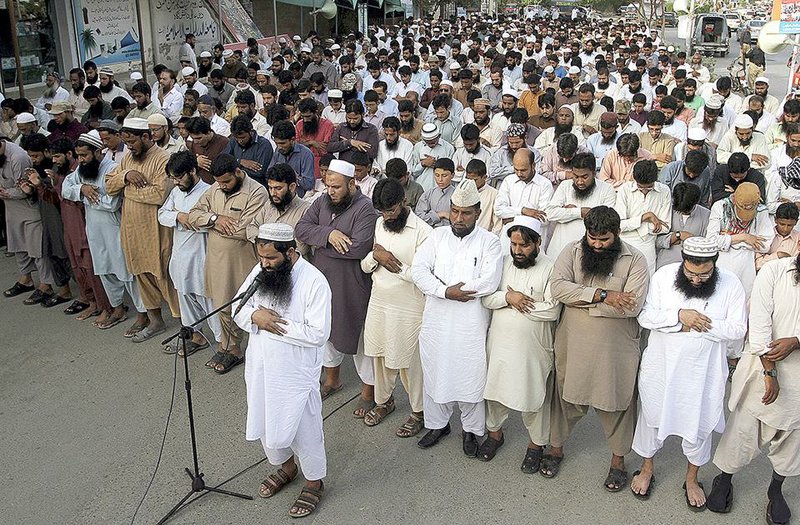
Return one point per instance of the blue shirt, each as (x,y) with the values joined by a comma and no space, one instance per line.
(259,150)
(302,162)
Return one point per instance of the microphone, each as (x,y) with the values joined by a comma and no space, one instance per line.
(259,280)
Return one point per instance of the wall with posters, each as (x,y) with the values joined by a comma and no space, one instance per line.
(106,31)
(170,20)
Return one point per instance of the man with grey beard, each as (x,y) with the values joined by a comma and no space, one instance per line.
(53,91)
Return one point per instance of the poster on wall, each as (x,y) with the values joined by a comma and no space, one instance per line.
(106,31)
(171,20)
(788,12)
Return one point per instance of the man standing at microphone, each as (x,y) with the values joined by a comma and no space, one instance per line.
(289,322)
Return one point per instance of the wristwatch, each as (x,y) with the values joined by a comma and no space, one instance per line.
(603,295)
(678,236)
(214,219)
(771,373)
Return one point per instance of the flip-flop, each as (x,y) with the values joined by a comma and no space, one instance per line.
(87,315)
(110,322)
(616,477)
(689,503)
(645,495)
(327,391)
(137,327)
(175,346)
(147,333)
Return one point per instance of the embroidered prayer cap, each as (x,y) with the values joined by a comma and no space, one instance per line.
(335,94)
(743,122)
(349,82)
(526,222)
(481,102)
(188,70)
(455,65)
(60,107)
(335,47)
(108,125)
(106,71)
(262,72)
(227,53)
(516,130)
(715,101)
(549,69)
(697,133)
(296,37)
(430,131)
(342,168)
(700,247)
(466,194)
(276,232)
(25,118)
(92,138)
(574,70)
(157,119)
(135,123)
(746,199)
(445,83)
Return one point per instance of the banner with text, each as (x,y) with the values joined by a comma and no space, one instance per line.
(171,20)
(106,31)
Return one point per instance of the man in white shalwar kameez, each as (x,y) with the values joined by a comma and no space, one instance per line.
(765,393)
(454,268)
(289,322)
(394,316)
(103,218)
(520,344)
(572,200)
(187,263)
(693,310)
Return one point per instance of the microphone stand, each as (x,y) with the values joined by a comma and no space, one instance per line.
(198,484)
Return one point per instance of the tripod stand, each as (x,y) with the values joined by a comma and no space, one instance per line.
(198,483)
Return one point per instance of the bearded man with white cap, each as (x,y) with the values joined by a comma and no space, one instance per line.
(340,226)
(693,310)
(771,103)
(289,322)
(425,154)
(159,126)
(190,82)
(711,118)
(109,87)
(456,266)
(520,344)
(744,138)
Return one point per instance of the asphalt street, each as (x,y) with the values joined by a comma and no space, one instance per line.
(84,412)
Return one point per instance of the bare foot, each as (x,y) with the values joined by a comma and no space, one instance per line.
(640,483)
(697,497)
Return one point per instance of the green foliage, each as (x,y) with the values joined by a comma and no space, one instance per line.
(88,41)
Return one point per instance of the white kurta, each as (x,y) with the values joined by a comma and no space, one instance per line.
(520,346)
(188,260)
(567,224)
(282,371)
(740,258)
(404,150)
(682,376)
(102,222)
(394,316)
(452,341)
(631,205)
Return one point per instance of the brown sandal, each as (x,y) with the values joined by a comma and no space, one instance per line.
(379,413)
(362,407)
(307,502)
(413,426)
(273,483)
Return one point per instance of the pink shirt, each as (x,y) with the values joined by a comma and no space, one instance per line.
(789,244)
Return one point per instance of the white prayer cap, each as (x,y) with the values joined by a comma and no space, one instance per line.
(336,47)
(135,123)
(466,194)
(227,53)
(508,92)
(92,138)
(697,133)
(549,69)
(527,222)
(106,71)
(262,72)
(342,168)
(700,247)
(445,83)
(25,118)
(743,122)
(157,119)
(715,101)
(188,70)
(136,76)
(765,80)
(574,70)
(335,93)
(275,231)
(296,37)
(206,54)
(430,131)
(455,65)
(305,49)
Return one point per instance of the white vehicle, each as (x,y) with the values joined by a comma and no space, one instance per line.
(754,26)
(734,22)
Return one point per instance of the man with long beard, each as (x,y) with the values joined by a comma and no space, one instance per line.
(501,164)
(519,346)
(141,178)
(693,310)
(573,199)
(87,185)
(600,143)
(456,266)
(781,184)
(602,283)
(145,106)
(394,316)
(340,226)
(393,145)
(312,131)
(410,127)
(289,322)
(587,112)
(742,137)
(285,206)
(776,135)
(97,109)
(226,209)
(709,117)
(771,103)
(109,87)
(92,299)
(77,81)
(470,146)
(53,92)
(508,103)
(354,135)
(565,123)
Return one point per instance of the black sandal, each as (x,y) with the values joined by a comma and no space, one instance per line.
(489,448)
(229,362)
(645,495)
(76,307)
(215,359)
(18,289)
(54,300)
(37,297)
(532,461)
(550,464)
(702,507)
(616,477)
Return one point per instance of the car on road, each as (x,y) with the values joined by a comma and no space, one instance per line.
(734,22)
(754,26)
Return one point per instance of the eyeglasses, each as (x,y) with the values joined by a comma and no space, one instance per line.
(701,276)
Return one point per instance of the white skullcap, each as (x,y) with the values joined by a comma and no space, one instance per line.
(446,83)
(262,72)
(697,133)
(188,70)
(275,231)
(342,168)
(25,118)
(700,247)
(455,65)
(157,119)
(93,138)
(335,93)
(281,40)
(305,49)
(549,69)
(466,194)
(527,222)
(335,47)
(206,54)
(574,70)
(508,92)
(296,37)
(715,101)
(743,122)
(136,76)
(227,53)
(430,131)
(135,123)
(765,80)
